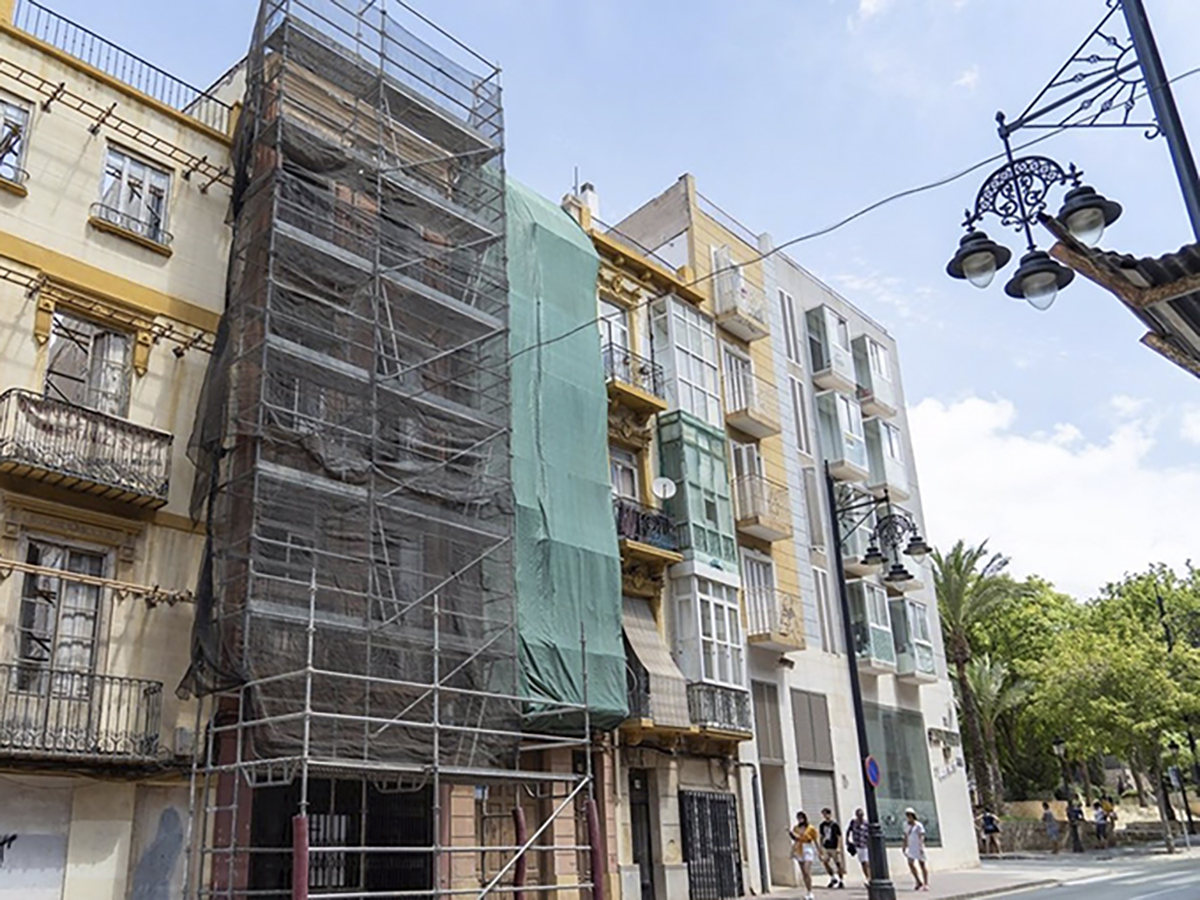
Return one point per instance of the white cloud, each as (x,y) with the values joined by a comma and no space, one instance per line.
(867,9)
(1078,512)
(969,79)
(1190,427)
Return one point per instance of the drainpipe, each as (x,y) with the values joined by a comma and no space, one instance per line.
(760,830)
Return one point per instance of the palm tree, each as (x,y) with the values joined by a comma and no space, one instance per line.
(996,692)
(970,585)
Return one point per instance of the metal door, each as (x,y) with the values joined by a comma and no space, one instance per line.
(711,847)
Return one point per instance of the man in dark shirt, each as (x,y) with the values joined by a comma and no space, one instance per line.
(830,849)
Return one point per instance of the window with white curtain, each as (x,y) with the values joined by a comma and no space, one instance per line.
(623,469)
(88,365)
(59,619)
(14,123)
(133,195)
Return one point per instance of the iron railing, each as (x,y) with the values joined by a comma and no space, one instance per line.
(151,231)
(622,364)
(59,713)
(12,174)
(57,437)
(756,497)
(722,708)
(637,688)
(88,47)
(770,611)
(644,525)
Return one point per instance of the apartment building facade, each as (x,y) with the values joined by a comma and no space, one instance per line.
(113,195)
(791,378)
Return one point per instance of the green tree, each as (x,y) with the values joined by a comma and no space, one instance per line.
(997,693)
(970,585)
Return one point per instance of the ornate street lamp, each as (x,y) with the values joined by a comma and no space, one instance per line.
(887,542)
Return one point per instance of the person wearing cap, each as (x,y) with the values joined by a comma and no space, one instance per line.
(914,848)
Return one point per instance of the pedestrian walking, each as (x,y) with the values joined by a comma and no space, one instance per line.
(1100,818)
(858,841)
(804,850)
(1053,832)
(1075,821)
(914,848)
(830,850)
(989,824)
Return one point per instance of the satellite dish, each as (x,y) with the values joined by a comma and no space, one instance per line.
(663,488)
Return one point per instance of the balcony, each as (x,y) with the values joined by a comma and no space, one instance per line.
(741,306)
(855,544)
(751,404)
(885,460)
(871,623)
(95,51)
(875,391)
(775,620)
(720,709)
(83,450)
(645,533)
(761,508)
(829,347)
(148,233)
(58,714)
(632,380)
(637,689)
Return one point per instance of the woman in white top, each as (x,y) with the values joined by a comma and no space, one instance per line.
(914,848)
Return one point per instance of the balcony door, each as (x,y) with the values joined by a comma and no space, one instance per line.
(747,460)
(739,383)
(47,703)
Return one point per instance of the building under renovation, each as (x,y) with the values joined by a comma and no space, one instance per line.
(380,728)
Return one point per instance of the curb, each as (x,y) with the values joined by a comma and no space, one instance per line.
(997,891)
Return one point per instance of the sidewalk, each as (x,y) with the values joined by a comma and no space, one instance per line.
(996,875)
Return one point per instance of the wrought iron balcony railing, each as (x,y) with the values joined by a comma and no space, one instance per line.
(88,47)
(55,713)
(721,708)
(644,525)
(151,231)
(82,449)
(626,366)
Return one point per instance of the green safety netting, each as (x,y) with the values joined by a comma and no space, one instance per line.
(568,569)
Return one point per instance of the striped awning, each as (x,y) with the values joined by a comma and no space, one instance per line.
(668,687)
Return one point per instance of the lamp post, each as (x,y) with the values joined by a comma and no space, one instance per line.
(1099,86)
(1187,807)
(887,535)
(1060,750)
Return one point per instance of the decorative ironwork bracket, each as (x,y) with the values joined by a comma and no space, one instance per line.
(1016,192)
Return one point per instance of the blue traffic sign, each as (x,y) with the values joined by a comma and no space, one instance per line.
(872,768)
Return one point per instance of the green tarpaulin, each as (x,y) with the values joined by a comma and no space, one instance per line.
(568,569)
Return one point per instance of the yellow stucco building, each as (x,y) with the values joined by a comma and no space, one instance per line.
(113,245)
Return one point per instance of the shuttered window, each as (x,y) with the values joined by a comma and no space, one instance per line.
(810,719)
(767,727)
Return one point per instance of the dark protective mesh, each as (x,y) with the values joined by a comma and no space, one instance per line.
(352,439)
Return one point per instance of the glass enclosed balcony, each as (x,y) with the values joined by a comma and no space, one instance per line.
(843,444)
(885,460)
(829,347)
(914,643)
(871,622)
(872,368)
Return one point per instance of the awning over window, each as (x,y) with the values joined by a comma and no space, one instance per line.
(668,688)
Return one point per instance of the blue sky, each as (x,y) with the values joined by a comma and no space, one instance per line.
(1055,434)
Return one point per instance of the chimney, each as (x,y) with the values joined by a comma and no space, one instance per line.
(590,198)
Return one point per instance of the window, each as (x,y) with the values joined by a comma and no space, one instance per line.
(58,621)
(298,404)
(810,720)
(767,727)
(842,333)
(88,365)
(898,742)
(623,467)
(758,573)
(850,416)
(793,335)
(711,621)
(14,120)
(826,618)
(879,359)
(746,460)
(800,412)
(918,618)
(893,448)
(739,381)
(813,503)
(614,325)
(133,196)
(694,360)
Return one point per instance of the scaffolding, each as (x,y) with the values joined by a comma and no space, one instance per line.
(355,626)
